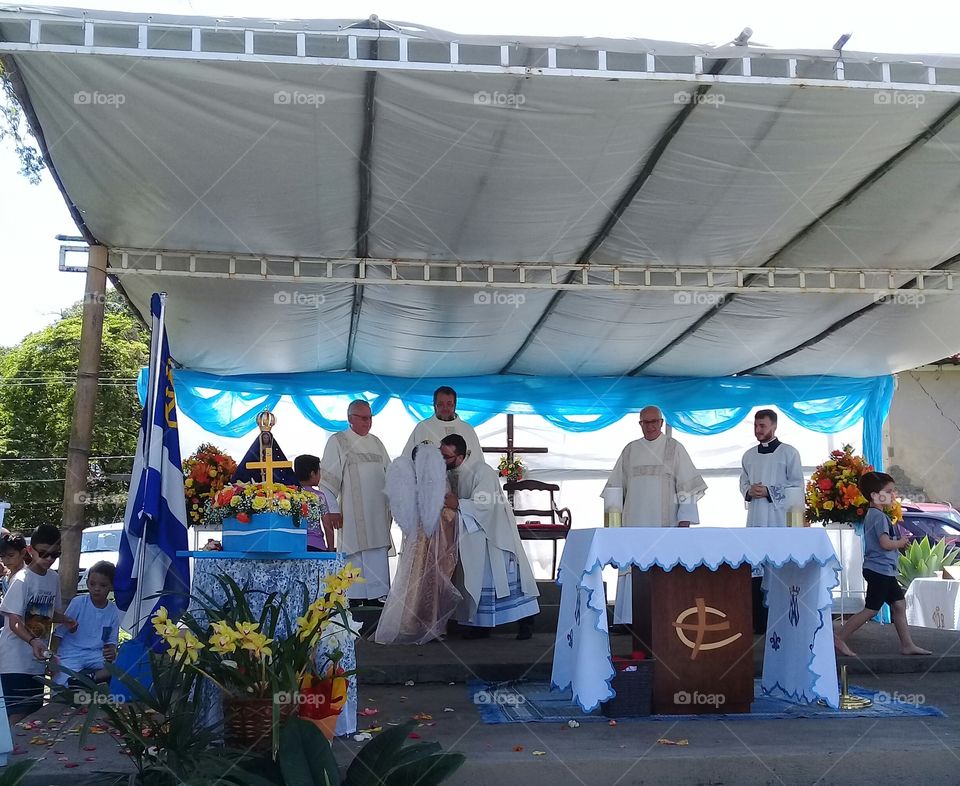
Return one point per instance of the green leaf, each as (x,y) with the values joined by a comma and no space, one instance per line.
(418,751)
(426,771)
(305,756)
(14,774)
(375,758)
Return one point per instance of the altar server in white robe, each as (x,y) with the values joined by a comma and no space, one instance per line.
(493,575)
(771,482)
(353,471)
(661,487)
(442,423)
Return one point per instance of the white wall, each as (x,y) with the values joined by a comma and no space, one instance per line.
(924,431)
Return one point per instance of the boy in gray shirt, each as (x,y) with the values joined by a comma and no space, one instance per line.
(882,544)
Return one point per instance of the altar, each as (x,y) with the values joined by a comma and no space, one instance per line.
(801,570)
(281,574)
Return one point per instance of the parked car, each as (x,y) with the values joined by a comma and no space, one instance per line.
(97,543)
(939,525)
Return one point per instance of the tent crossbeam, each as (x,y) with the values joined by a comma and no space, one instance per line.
(692,284)
(263,42)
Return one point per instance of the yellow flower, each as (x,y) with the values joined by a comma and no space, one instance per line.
(245,629)
(160,617)
(223,643)
(235,501)
(284,504)
(259,503)
(351,574)
(257,644)
(212,472)
(828,505)
(192,646)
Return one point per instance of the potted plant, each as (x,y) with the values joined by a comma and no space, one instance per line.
(920,560)
(261,661)
(205,473)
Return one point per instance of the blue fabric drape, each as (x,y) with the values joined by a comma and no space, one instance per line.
(228,406)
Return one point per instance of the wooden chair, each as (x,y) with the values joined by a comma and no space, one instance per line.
(560,518)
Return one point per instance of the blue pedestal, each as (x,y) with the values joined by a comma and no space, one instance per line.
(266,533)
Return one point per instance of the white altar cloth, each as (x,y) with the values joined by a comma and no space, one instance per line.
(799,661)
(934,603)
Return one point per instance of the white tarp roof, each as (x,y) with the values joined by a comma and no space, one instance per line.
(258,141)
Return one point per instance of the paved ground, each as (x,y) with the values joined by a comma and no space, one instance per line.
(803,751)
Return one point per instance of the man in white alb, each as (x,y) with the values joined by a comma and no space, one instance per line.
(444,422)
(493,575)
(353,471)
(771,482)
(661,487)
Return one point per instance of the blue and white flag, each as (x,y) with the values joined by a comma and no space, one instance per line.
(154,525)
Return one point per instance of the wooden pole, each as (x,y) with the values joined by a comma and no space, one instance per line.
(81,432)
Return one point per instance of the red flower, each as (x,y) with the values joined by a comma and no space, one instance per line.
(243,518)
(304,510)
(825,484)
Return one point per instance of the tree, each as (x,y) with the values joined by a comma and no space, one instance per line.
(12,125)
(37,384)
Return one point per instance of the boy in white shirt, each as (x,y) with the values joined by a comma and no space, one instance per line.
(31,606)
(94,640)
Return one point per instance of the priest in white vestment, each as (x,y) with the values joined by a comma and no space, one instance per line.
(660,486)
(493,575)
(353,471)
(443,423)
(771,482)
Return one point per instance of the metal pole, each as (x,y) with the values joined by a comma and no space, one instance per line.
(81,431)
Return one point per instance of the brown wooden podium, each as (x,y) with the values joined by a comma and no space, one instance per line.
(698,628)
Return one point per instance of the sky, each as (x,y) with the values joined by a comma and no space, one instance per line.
(31,216)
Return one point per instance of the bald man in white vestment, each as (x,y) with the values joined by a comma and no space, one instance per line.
(661,487)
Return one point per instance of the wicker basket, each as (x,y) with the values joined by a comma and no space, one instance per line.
(248,723)
(634,689)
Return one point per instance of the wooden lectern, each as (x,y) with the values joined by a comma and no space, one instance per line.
(698,627)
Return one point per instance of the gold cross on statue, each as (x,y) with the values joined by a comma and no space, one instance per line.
(268,465)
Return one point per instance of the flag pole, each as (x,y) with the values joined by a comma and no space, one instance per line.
(156,349)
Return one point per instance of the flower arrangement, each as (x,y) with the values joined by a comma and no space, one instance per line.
(833,493)
(511,470)
(249,655)
(205,473)
(243,500)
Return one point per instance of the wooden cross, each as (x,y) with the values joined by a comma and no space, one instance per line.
(510,449)
(268,465)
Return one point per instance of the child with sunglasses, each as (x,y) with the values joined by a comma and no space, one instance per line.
(31,606)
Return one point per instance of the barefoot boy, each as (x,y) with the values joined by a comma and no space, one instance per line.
(882,544)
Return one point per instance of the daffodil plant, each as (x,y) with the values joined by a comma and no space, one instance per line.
(265,655)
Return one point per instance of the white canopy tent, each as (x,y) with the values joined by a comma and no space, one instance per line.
(322,196)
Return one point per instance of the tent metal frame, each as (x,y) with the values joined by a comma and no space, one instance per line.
(590,277)
(223,40)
